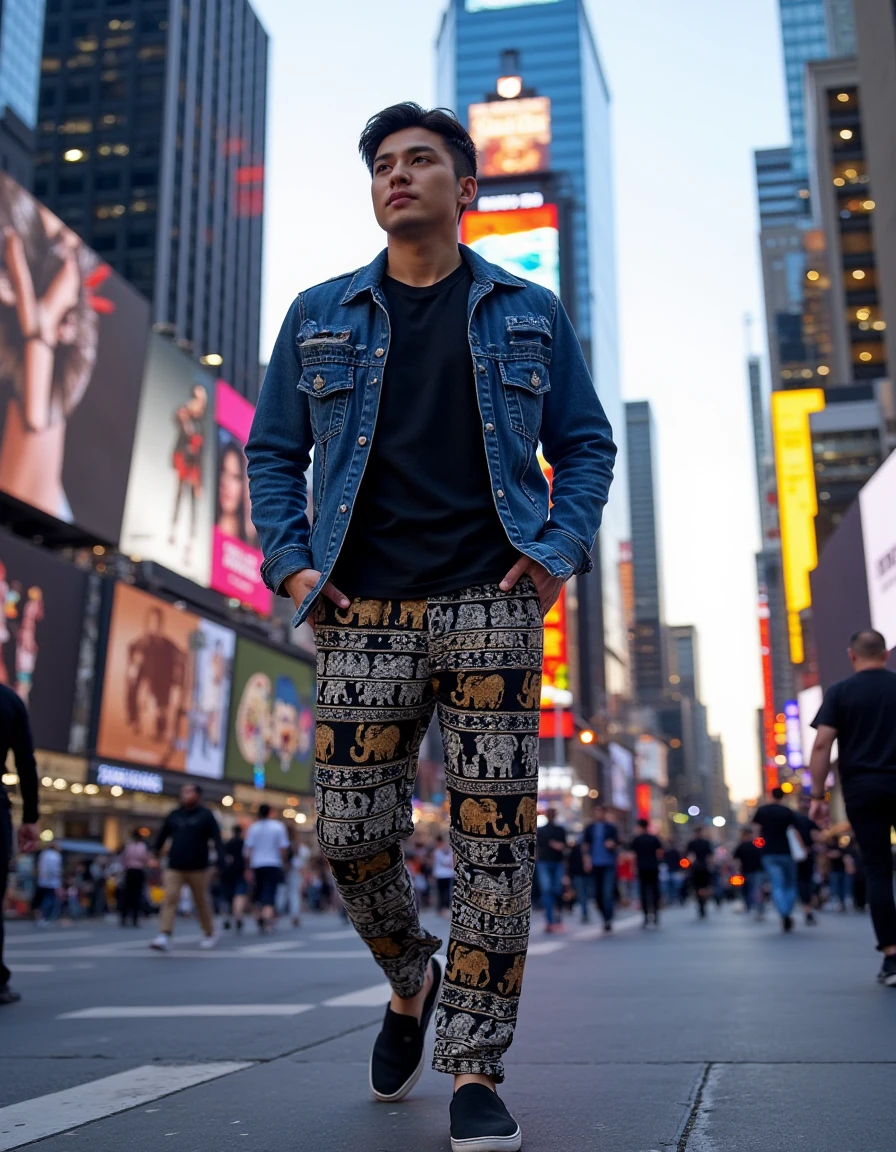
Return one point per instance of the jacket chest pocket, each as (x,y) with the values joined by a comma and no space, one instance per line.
(328,385)
(525,383)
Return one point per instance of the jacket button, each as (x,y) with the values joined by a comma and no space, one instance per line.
(500,493)
(375,380)
(362,440)
(318,383)
(343,507)
(482,369)
(380,352)
(489,427)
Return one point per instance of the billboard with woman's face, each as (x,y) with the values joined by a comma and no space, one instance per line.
(72,343)
(236,553)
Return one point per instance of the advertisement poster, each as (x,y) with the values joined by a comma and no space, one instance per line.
(876,502)
(236,554)
(42,602)
(622,771)
(271,738)
(72,344)
(524,241)
(166,687)
(512,137)
(171,491)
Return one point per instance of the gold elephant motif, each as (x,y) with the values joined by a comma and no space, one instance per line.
(476,815)
(512,983)
(324,743)
(364,869)
(412,612)
(526,815)
(530,696)
(384,946)
(369,613)
(480,691)
(379,741)
(469,966)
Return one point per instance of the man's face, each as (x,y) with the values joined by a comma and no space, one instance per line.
(189,797)
(415,187)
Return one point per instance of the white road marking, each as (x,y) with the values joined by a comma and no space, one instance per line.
(51,935)
(267,949)
(543,947)
(35,968)
(61,1111)
(188,954)
(373,997)
(181,1010)
(342,934)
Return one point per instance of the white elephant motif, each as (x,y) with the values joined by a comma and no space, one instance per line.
(470,616)
(498,885)
(337,832)
(375,829)
(347,664)
(454,748)
(440,621)
(499,752)
(492,1032)
(508,614)
(529,750)
(410,694)
(458,1027)
(393,667)
(483,852)
(335,692)
(371,693)
(346,805)
(384,799)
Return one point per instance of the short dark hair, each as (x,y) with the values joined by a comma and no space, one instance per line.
(442,121)
(868,644)
(642,823)
(778,793)
(264,810)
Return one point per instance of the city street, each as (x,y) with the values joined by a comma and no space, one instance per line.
(714,1036)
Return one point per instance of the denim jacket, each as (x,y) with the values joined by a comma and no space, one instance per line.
(322,390)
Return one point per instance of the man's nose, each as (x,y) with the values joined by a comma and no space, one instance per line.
(398,176)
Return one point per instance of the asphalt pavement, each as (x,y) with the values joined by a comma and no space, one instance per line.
(706,1036)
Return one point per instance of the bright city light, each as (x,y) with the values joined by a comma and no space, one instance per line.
(846,133)
(91,789)
(46,835)
(117,790)
(73,155)
(693,810)
(858,274)
(812,274)
(719,821)
(227,801)
(579,790)
(679,818)
(301,818)
(212,359)
(586,736)
(786,786)
(509,87)
(843,97)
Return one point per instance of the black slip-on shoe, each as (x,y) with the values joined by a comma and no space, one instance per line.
(480,1122)
(887,974)
(9,995)
(398,1056)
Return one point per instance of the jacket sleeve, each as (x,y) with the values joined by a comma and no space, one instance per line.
(215,836)
(578,444)
(279,453)
(26,767)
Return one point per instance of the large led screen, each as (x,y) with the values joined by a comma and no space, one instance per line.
(512,136)
(236,553)
(524,241)
(166,689)
(41,609)
(877,501)
(171,491)
(72,343)
(271,739)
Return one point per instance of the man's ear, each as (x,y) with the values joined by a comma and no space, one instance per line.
(468,190)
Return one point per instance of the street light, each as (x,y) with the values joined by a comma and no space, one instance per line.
(586,736)
(693,810)
(719,821)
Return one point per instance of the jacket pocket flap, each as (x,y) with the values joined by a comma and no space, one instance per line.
(530,375)
(324,379)
(528,325)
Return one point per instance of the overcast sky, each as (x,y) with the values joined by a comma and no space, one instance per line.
(696,86)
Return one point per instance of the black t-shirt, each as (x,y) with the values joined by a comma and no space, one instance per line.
(774,820)
(645,847)
(702,850)
(425,521)
(543,850)
(749,856)
(234,859)
(863,710)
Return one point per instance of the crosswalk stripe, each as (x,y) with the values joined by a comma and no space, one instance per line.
(143,1012)
(61,1111)
(373,997)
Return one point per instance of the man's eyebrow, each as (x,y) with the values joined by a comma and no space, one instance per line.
(413,150)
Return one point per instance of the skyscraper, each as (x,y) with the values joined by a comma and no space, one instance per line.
(546,51)
(21,33)
(151,146)
(648,665)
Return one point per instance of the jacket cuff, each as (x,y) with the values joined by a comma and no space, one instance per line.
(276,568)
(568,548)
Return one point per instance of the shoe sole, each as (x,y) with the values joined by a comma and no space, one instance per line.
(159,948)
(418,1071)
(888,981)
(489,1143)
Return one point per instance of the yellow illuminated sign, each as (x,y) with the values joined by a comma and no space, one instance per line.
(797,502)
(512,136)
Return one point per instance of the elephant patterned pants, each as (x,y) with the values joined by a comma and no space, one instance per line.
(383,668)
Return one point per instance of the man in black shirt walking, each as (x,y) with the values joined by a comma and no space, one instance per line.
(550,854)
(425,383)
(648,850)
(860,714)
(749,861)
(772,822)
(15,735)
(700,854)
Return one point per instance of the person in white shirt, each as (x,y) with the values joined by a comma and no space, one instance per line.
(297,864)
(443,873)
(267,845)
(47,898)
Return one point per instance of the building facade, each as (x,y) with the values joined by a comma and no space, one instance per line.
(21,35)
(552,47)
(151,143)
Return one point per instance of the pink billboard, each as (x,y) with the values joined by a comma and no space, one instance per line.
(236,555)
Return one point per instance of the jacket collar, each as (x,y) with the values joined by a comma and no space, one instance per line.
(371,277)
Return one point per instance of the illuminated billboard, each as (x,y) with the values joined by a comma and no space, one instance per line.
(493,5)
(797,503)
(512,137)
(876,503)
(524,241)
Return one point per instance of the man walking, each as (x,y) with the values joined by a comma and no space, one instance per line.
(424,383)
(700,853)
(550,854)
(267,843)
(772,822)
(860,714)
(15,735)
(648,850)
(134,861)
(749,861)
(234,889)
(600,842)
(189,828)
(809,832)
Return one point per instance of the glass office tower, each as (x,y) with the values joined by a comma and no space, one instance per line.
(21,36)
(551,46)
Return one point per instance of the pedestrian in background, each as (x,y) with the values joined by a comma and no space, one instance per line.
(648,850)
(49,891)
(749,863)
(550,854)
(134,862)
(580,878)
(190,828)
(267,846)
(15,737)
(234,886)
(773,822)
(600,841)
(838,879)
(700,853)
(295,878)
(443,873)
(810,833)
